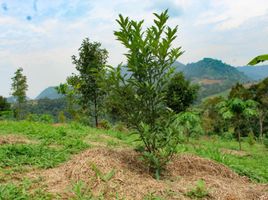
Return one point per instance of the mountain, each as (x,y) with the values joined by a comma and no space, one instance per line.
(212,75)
(255,72)
(49,93)
(12,99)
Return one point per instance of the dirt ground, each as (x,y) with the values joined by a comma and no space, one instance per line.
(133,181)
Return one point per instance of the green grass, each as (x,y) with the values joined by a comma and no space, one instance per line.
(51,146)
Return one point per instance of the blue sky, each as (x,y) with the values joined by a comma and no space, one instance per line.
(41,35)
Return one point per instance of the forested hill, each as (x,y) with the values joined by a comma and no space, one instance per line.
(213,75)
(49,93)
(255,72)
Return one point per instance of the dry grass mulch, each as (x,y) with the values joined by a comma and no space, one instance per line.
(133,181)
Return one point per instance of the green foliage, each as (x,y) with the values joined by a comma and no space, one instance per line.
(199,191)
(4,105)
(105,124)
(99,174)
(45,118)
(265,142)
(81,191)
(21,192)
(236,110)
(149,61)
(180,93)
(251,139)
(91,65)
(61,117)
(189,124)
(258,59)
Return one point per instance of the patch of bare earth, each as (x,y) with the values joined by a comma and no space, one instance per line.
(210,81)
(133,181)
(235,152)
(14,139)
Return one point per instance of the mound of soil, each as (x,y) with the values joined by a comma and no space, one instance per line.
(14,139)
(133,181)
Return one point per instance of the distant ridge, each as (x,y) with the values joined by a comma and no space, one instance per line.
(49,93)
(255,72)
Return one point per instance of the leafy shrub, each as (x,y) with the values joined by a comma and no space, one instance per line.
(6,115)
(104,124)
(251,139)
(228,136)
(199,191)
(120,126)
(61,117)
(265,142)
(45,118)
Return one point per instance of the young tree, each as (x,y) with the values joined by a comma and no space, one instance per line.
(238,110)
(19,88)
(180,93)
(150,58)
(90,64)
(190,124)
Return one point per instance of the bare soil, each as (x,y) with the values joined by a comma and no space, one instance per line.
(14,139)
(133,181)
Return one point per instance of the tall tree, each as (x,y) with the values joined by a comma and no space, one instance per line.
(150,58)
(19,88)
(91,67)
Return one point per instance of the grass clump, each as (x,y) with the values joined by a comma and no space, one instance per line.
(199,191)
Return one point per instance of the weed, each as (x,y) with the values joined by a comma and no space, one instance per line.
(199,191)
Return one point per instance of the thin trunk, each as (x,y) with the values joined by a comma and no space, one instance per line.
(96,113)
(239,140)
(261,126)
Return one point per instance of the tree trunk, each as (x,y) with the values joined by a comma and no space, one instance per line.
(96,113)
(239,140)
(261,126)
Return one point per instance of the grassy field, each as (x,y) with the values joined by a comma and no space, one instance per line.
(27,146)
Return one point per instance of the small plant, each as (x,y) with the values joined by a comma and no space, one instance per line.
(104,124)
(199,191)
(81,192)
(251,139)
(104,177)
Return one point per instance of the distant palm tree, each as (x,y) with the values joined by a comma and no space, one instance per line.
(258,59)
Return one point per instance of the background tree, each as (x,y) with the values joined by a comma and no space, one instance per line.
(19,88)
(149,62)
(190,124)
(238,111)
(4,105)
(180,93)
(91,67)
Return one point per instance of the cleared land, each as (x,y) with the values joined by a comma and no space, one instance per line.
(42,161)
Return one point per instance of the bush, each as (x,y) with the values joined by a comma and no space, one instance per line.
(61,117)
(120,126)
(228,136)
(6,115)
(46,118)
(104,124)
(265,142)
(251,139)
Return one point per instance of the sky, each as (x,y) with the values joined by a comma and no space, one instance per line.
(41,35)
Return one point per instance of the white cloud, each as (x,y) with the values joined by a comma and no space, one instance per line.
(228,14)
